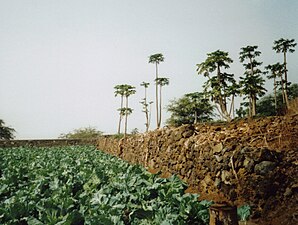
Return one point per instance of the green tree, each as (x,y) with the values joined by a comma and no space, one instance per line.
(160,82)
(128,91)
(120,90)
(6,133)
(82,133)
(189,109)
(156,59)
(217,86)
(252,84)
(146,106)
(284,46)
(276,71)
(124,90)
(266,104)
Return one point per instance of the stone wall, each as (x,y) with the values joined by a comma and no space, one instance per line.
(246,162)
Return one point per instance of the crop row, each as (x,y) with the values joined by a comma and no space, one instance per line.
(80,185)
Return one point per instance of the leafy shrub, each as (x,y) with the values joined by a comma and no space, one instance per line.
(243,212)
(82,133)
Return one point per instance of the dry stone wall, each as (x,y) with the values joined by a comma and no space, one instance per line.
(244,162)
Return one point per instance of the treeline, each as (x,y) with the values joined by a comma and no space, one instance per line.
(220,89)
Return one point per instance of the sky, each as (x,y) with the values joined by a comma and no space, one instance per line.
(60,59)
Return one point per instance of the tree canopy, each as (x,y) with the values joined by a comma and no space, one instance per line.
(6,133)
(218,86)
(190,108)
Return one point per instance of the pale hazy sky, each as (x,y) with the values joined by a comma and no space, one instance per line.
(60,59)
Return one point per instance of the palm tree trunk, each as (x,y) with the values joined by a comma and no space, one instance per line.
(156,95)
(232,106)
(146,111)
(250,106)
(159,122)
(196,117)
(150,110)
(126,115)
(254,103)
(283,90)
(286,81)
(275,97)
(120,116)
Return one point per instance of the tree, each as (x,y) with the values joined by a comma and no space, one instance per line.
(252,84)
(82,133)
(128,91)
(6,133)
(284,46)
(189,109)
(217,87)
(156,59)
(124,90)
(120,90)
(266,104)
(276,71)
(160,82)
(146,105)
(126,111)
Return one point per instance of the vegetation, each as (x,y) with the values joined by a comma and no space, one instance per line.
(124,90)
(276,71)
(243,212)
(220,86)
(160,82)
(284,46)
(81,185)
(266,105)
(190,108)
(252,83)
(120,90)
(146,106)
(156,59)
(6,133)
(82,133)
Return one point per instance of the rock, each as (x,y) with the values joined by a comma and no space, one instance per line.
(217,148)
(226,176)
(217,182)
(188,133)
(248,164)
(218,158)
(288,192)
(264,167)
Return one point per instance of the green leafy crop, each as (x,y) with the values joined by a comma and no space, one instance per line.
(81,185)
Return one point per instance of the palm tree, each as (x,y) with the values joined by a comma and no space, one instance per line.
(252,75)
(162,81)
(145,105)
(276,71)
(216,87)
(156,59)
(233,90)
(128,91)
(126,112)
(120,90)
(284,46)
(252,87)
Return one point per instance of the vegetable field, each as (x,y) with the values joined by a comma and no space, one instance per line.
(81,185)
